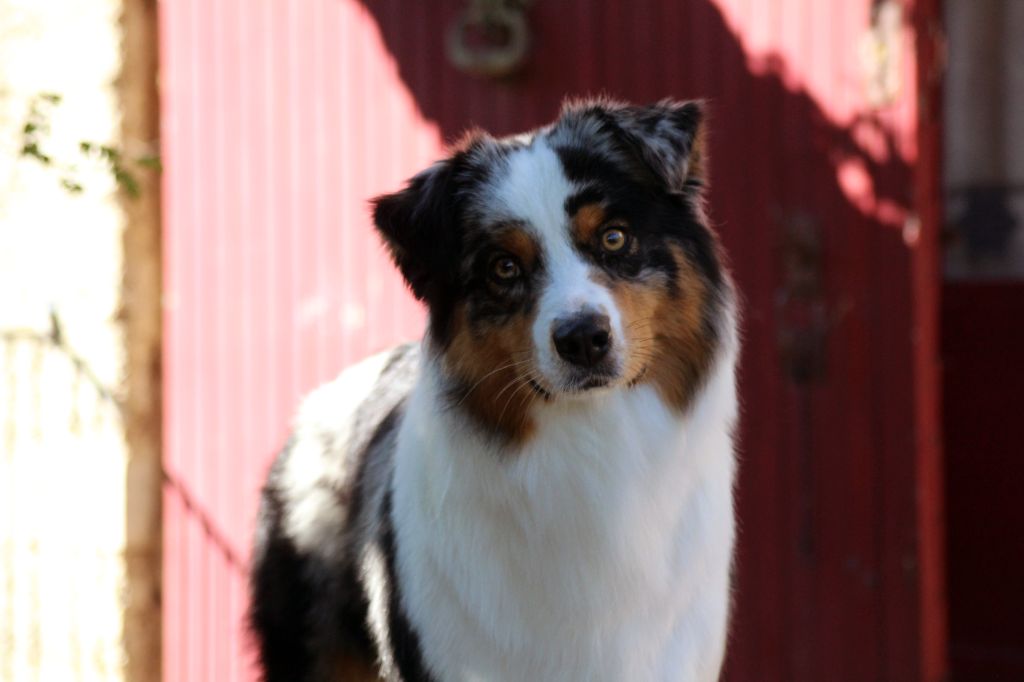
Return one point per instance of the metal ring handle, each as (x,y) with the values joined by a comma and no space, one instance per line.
(490,61)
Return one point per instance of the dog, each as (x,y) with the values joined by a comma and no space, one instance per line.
(541,489)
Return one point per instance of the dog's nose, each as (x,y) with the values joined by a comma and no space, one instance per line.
(583,340)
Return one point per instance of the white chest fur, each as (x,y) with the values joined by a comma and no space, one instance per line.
(599,551)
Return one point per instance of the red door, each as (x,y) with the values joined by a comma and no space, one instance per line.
(282,119)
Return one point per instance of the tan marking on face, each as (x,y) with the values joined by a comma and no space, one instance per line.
(587,221)
(637,303)
(519,244)
(493,365)
(666,335)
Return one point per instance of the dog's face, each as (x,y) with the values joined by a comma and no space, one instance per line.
(564,263)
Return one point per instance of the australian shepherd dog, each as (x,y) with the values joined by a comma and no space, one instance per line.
(541,489)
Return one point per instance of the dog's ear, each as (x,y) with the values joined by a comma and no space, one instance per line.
(669,136)
(665,142)
(419,225)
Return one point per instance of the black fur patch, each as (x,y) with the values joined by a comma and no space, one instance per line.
(304,613)
(488,301)
(426,225)
(280,598)
(405,643)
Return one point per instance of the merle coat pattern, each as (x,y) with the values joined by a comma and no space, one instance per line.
(542,488)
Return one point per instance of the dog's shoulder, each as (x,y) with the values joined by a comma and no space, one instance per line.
(319,509)
(322,471)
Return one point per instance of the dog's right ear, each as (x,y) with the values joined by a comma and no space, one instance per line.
(420,227)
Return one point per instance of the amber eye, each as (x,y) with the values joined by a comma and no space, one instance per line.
(505,268)
(613,239)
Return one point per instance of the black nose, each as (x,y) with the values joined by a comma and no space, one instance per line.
(583,340)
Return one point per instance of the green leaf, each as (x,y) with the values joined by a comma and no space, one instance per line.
(150,161)
(127,182)
(71,186)
(32,150)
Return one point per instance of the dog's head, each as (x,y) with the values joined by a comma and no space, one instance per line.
(566,262)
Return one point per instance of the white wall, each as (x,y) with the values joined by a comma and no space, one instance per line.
(63,452)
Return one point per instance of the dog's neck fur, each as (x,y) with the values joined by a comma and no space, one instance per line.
(600,549)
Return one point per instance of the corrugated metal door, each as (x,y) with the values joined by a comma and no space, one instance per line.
(282,118)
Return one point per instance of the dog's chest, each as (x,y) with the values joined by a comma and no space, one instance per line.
(580,558)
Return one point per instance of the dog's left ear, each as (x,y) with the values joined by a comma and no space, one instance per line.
(669,137)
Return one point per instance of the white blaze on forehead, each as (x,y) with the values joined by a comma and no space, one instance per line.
(534,189)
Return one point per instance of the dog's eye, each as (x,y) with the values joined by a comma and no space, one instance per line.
(505,269)
(614,239)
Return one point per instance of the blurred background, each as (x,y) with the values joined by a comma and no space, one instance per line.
(185,250)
